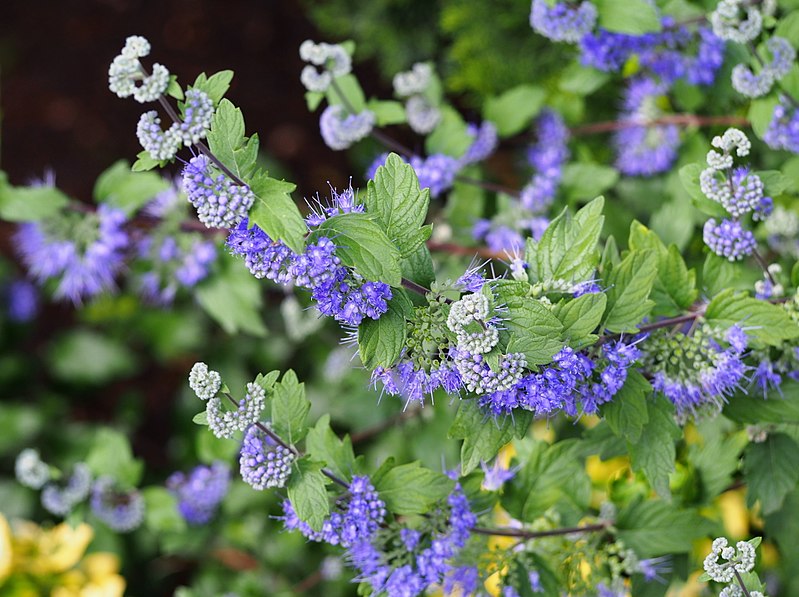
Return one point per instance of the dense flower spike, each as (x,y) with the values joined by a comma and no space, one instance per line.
(198,112)
(263,463)
(728,239)
(746,82)
(484,142)
(564,21)
(122,511)
(547,156)
(783,130)
(645,150)
(61,498)
(30,470)
(740,558)
(160,144)
(200,492)
(220,203)
(264,257)
(436,172)
(175,262)
(204,382)
(739,195)
(85,266)
(224,423)
(341,129)
(126,70)
(736,20)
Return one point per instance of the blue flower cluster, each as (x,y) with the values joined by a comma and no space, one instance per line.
(340,129)
(22,299)
(573,383)
(664,54)
(783,129)
(263,463)
(338,291)
(121,510)
(643,149)
(174,262)
(705,373)
(198,111)
(565,21)
(84,251)
(200,492)
(220,202)
(61,498)
(547,156)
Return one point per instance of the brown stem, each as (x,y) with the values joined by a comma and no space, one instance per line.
(741,582)
(762,263)
(455,249)
(589,528)
(679,119)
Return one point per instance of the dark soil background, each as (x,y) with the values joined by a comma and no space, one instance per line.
(58,113)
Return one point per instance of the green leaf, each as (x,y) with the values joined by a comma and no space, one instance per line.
(216,86)
(627,413)
(348,87)
(363,245)
(761,112)
(228,143)
(145,162)
(482,437)
(779,405)
(674,289)
(111,455)
(534,329)
(581,80)
(232,298)
(211,449)
(580,316)
(174,89)
(450,136)
(161,513)
(654,453)
(634,17)
(307,493)
(418,267)
(585,180)
(717,274)
(119,187)
(411,489)
(512,111)
(387,112)
(716,459)
(86,357)
(768,323)
(395,198)
(654,528)
(775,182)
(275,213)
(380,341)
(771,470)
(323,445)
(629,285)
(289,408)
(550,475)
(313,99)
(27,204)
(567,250)
(788,27)
(201,418)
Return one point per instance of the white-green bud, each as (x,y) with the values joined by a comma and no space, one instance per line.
(204,382)
(30,470)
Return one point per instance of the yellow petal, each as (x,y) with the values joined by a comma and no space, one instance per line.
(6,549)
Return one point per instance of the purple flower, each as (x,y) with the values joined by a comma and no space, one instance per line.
(783,130)
(340,129)
(263,463)
(484,142)
(23,301)
(121,510)
(436,172)
(220,203)
(85,266)
(174,262)
(200,492)
(728,239)
(564,21)
(547,156)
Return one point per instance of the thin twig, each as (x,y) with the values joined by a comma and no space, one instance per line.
(506,532)
(679,119)
(741,582)
(762,263)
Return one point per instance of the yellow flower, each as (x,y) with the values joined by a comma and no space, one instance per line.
(6,549)
(41,552)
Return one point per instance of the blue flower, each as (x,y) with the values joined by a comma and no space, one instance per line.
(564,21)
(200,492)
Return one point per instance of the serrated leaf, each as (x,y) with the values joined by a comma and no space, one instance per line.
(289,408)
(513,110)
(534,330)
(567,250)
(771,470)
(627,413)
(380,341)
(586,180)
(395,198)
(766,322)
(228,143)
(418,267)
(307,493)
(363,245)
(779,405)
(323,445)
(145,162)
(654,528)
(216,86)
(482,435)
(629,285)
(124,189)
(275,213)
(580,316)
(410,489)
(717,274)
(654,454)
